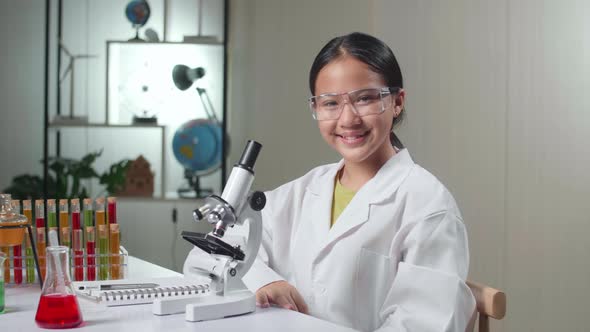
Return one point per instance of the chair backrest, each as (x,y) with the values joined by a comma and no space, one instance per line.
(490,302)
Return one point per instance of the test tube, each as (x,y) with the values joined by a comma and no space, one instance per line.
(90,240)
(64,223)
(75,211)
(99,211)
(112,209)
(103,238)
(6,250)
(115,259)
(103,251)
(77,241)
(41,244)
(17,251)
(29,258)
(51,216)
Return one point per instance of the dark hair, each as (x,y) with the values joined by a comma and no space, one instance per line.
(371,51)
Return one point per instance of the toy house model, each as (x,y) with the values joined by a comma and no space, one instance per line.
(139,179)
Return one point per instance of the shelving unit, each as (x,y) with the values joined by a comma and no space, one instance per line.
(55,10)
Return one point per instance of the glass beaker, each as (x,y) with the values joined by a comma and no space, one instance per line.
(12,224)
(58,307)
(2,258)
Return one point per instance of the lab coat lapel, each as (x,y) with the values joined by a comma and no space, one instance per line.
(320,207)
(381,187)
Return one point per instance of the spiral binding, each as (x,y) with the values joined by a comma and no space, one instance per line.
(149,293)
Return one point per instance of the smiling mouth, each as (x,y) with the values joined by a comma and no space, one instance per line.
(353,138)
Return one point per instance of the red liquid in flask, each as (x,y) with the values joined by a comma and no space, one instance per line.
(58,311)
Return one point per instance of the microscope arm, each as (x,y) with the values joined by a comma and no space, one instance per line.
(254,220)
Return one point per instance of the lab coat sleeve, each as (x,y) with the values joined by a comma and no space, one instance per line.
(261,274)
(429,292)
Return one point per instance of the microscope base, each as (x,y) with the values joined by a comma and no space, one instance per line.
(216,306)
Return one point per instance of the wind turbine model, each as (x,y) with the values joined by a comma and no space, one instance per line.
(70,69)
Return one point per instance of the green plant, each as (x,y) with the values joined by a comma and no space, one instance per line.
(114,179)
(65,178)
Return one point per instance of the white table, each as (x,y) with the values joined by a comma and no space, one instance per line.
(21,306)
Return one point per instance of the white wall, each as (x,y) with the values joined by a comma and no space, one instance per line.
(21,88)
(548,184)
(496,107)
(453,55)
(272,46)
(500,113)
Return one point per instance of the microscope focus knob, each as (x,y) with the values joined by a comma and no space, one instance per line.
(257,200)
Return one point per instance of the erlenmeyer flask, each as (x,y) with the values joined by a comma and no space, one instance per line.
(58,307)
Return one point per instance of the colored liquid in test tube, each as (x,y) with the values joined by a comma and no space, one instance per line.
(64,223)
(29,260)
(112,209)
(90,237)
(40,238)
(1,296)
(77,241)
(103,251)
(6,251)
(99,211)
(114,239)
(51,216)
(17,251)
(115,259)
(2,258)
(90,253)
(103,239)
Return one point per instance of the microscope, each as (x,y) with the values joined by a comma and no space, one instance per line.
(224,263)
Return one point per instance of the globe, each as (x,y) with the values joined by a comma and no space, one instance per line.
(197,146)
(137,12)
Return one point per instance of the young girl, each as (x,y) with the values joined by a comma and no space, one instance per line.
(373,241)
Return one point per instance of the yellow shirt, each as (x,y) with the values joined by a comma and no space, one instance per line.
(342,196)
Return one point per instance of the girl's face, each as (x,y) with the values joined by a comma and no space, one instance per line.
(357,139)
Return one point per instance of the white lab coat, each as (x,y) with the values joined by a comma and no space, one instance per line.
(395,260)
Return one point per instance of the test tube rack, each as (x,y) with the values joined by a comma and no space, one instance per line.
(122,267)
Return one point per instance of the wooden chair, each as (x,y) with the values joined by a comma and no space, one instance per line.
(490,302)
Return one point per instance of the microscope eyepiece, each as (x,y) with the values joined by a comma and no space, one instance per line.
(249,156)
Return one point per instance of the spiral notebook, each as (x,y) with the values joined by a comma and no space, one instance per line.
(141,291)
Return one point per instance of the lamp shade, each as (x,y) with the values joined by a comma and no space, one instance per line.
(183,76)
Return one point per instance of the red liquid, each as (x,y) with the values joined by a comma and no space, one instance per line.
(17,251)
(112,211)
(78,265)
(75,220)
(40,222)
(91,261)
(58,311)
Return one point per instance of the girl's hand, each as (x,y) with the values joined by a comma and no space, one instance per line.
(281,293)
